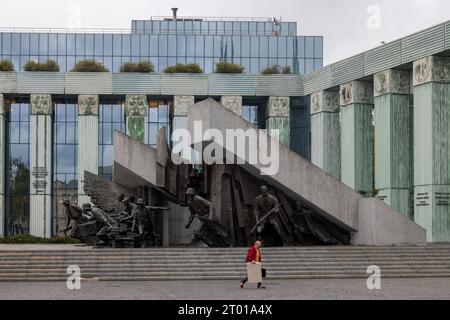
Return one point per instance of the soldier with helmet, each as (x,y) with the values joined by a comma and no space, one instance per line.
(210,232)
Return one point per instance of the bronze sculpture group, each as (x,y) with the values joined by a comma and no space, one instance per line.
(132,227)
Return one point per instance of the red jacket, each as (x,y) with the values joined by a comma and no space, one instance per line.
(252,255)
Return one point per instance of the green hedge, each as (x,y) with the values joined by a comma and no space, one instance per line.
(89,66)
(28,239)
(184,68)
(228,67)
(49,65)
(276,70)
(143,66)
(6,65)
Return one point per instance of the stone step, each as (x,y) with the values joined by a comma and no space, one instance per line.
(212,263)
(219,270)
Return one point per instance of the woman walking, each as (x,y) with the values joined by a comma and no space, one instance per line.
(253,256)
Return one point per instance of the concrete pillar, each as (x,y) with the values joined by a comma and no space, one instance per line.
(431,80)
(356,99)
(278,118)
(178,215)
(393,143)
(181,104)
(2,164)
(87,141)
(136,112)
(232,103)
(40,165)
(326,132)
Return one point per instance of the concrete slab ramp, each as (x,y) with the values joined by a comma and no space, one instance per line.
(370,220)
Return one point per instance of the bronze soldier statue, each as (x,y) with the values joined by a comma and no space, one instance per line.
(141,220)
(75,217)
(210,231)
(265,210)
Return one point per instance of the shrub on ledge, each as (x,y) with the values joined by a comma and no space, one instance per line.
(49,65)
(89,66)
(228,67)
(29,239)
(184,68)
(276,70)
(143,66)
(6,65)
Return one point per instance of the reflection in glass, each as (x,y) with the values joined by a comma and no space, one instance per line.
(18,171)
(111,117)
(65,145)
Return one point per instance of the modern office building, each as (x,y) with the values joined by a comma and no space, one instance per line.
(377,121)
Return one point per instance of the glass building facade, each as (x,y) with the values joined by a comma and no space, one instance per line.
(254,45)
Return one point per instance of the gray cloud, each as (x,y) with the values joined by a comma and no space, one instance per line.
(343,23)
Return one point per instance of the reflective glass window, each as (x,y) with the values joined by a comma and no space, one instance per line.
(25,44)
(80,42)
(34,43)
(98,44)
(163,45)
(17,217)
(53,44)
(181,45)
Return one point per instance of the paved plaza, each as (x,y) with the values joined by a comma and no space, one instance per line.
(432,288)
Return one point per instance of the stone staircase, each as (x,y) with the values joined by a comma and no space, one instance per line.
(223,264)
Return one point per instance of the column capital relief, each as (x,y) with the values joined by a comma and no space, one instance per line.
(136,105)
(278,107)
(232,103)
(88,105)
(356,92)
(392,81)
(431,69)
(41,104)
(324,101)
(181,104)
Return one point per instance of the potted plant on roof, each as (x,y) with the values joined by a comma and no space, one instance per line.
(141,67)
(184,68)
(229,67)
(48,66)
(89,66)
(6,66)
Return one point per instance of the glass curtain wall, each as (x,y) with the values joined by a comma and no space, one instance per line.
(254,52)
(111,118)
(65,145)
(17,219)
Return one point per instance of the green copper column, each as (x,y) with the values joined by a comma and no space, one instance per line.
(40,165)
(87,141)
(432,146)
(326,132)
(136,111)
(393,143)
(278,122)
(232,103)
(2,164)
(356,99)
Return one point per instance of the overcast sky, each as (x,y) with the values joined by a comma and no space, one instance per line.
(348,26)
